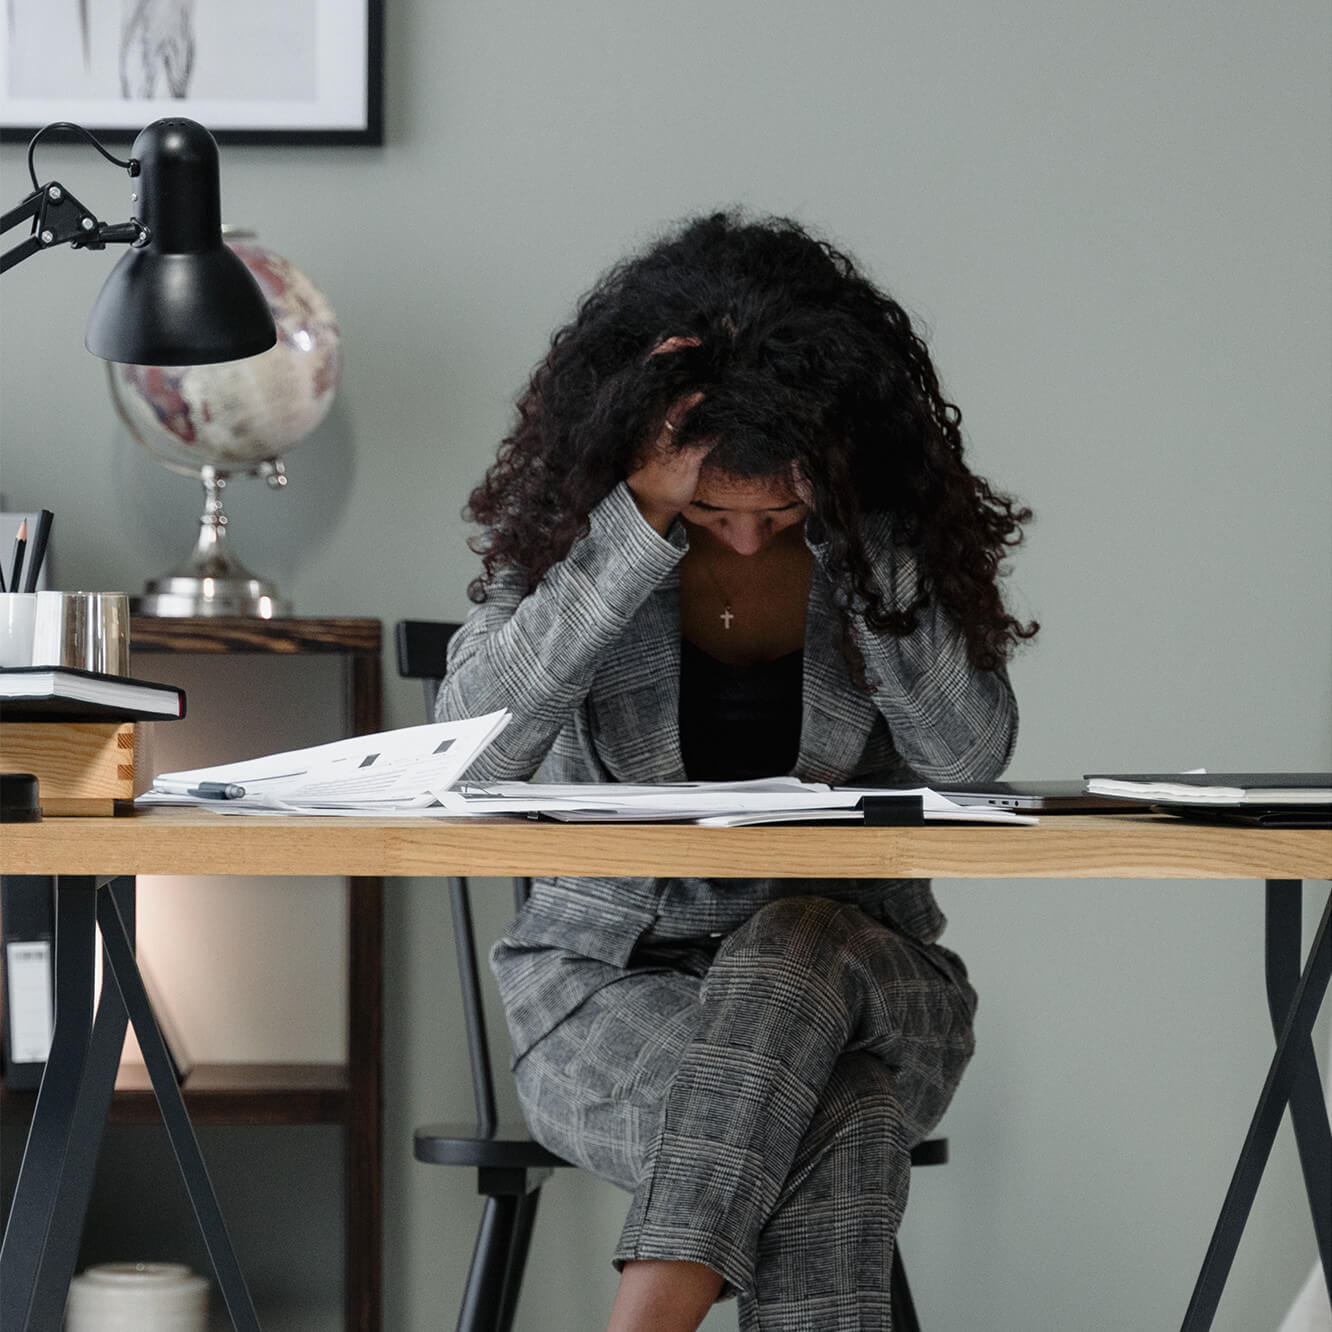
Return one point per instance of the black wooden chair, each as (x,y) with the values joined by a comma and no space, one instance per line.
(511,1167)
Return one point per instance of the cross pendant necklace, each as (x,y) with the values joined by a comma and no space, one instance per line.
(727,615)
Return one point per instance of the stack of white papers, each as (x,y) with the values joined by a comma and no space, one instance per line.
(386,772)
(418,771)
(713,804)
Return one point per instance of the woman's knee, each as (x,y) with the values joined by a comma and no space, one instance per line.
(860,1099)
(803,926)
(793,952)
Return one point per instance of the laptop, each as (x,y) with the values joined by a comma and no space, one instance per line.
(1043,797)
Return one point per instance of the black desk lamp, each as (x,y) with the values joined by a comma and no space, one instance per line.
(180,297)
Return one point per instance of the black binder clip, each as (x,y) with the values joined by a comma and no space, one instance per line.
(893,811)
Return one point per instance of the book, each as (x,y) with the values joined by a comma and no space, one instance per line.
(1267,789)
(65,693)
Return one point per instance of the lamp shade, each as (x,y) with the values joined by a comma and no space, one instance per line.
(182,298)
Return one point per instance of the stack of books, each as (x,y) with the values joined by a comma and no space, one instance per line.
(77,732)
(1267,799)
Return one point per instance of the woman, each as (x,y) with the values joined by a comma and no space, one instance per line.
(732,535)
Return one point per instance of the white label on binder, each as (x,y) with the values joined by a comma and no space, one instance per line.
(30,1000)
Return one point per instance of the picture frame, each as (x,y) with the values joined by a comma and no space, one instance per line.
(250,71)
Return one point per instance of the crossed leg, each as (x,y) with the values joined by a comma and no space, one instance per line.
(762,1114)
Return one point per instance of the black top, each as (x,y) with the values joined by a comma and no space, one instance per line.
(739,722)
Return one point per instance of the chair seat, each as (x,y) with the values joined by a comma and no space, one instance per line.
(510,1146)
(933,1151)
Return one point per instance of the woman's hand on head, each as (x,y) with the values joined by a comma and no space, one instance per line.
(800,483)
(666,477)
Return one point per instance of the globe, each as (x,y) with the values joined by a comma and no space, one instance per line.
(234,418)
(238,414)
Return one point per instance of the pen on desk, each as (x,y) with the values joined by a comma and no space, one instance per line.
(38,552)
(20,544)
(217,790)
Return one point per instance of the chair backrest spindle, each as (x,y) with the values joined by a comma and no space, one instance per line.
(469,976)
(422,647)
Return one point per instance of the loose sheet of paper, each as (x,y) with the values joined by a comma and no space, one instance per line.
(616,801)
(935,808)
(387,770)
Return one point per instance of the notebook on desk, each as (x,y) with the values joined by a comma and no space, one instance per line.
(1262,799)
(1037,797)
(1254,816)
(1269,789)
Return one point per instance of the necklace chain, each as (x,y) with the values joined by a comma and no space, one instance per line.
(727,615)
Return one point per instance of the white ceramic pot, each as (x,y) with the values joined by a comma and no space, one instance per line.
(137,1297)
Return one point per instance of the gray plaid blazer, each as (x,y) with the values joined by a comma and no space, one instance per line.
(588,663)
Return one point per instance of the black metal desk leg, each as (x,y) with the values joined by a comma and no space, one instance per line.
(180,1131)
(70,1209)
(1294,1039)
(30,1287)
(1308,1107)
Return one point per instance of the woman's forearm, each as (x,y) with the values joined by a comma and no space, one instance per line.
(537,653)
(949,721)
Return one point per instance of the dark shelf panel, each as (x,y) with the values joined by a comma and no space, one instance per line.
(267,1093)
(214,634)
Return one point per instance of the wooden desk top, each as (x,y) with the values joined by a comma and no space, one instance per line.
(189,841)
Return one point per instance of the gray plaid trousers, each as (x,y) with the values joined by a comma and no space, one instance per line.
(762,1107)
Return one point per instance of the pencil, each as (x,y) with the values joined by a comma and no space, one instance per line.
(38,552)
(20,544)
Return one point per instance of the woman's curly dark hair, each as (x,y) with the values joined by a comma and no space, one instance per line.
(800,359)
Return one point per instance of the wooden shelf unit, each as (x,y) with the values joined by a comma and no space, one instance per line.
(263,1093)
(292,1094)
(295,1093)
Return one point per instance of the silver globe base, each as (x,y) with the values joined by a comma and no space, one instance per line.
(178,595)
(213,581)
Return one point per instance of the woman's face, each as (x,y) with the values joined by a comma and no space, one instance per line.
(744,514)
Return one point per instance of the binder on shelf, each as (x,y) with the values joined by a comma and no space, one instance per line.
(27,934)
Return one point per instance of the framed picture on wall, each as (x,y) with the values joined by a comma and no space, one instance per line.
(251,71)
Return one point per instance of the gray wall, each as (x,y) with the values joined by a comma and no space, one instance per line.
(1114,222)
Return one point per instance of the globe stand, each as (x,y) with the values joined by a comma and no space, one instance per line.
(212,581)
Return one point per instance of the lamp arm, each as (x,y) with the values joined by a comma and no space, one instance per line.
(58,218)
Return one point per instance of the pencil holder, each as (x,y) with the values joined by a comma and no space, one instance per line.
(88,631)
(18,611)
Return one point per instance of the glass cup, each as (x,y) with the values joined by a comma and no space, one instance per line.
(18,611)
(88,631)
